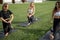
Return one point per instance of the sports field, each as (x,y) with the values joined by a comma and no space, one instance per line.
(34,31)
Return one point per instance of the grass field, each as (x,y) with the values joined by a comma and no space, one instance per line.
(34,31)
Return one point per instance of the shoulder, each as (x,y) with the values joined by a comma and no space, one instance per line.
(9,10)
(1,11)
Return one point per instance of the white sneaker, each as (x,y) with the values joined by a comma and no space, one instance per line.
(6,34)
(28,23)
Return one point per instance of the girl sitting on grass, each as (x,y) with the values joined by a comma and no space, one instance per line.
(31,12)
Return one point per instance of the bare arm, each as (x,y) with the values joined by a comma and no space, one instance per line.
(3,20)
(33,10)
(11,19)
(53,14)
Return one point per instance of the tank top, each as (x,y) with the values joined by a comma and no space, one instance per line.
(30,10)
(57,13)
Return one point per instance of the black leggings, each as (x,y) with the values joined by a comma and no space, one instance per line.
(30,19)
(56,23)
(6,27)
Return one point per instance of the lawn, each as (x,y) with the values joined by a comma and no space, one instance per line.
(34,31)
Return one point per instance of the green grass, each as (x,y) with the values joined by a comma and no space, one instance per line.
(34,31)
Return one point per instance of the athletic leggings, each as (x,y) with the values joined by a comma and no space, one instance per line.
(56,24)
(30,19)
(6,27)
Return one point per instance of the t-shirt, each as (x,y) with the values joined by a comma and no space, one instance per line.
(5,14)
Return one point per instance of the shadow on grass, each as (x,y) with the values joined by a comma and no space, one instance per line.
(33,31)
(25,23)
(17,22)
(36,32)
(2,32)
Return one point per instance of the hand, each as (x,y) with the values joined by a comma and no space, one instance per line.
(9,21)
(30,15)
(5,21)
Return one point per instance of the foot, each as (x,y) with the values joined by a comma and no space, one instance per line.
(28,23)
(51,37)
(6,34)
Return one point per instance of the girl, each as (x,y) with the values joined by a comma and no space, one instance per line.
(31,12)
(6,17)
(56,17)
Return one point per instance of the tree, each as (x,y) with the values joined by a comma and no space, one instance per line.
(23,1)
(51,0)
(13,1)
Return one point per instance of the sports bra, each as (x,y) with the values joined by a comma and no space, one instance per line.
(57,13)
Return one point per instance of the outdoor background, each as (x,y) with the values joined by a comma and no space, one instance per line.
(36,30)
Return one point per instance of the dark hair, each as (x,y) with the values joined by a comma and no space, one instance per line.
(55,9)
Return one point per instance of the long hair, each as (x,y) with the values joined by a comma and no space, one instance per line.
(57,5)
(31,4)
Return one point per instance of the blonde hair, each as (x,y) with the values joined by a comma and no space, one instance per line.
(5,4)
(32,3)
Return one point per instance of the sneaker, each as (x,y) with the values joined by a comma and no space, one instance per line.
(6,34)
(28,23)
